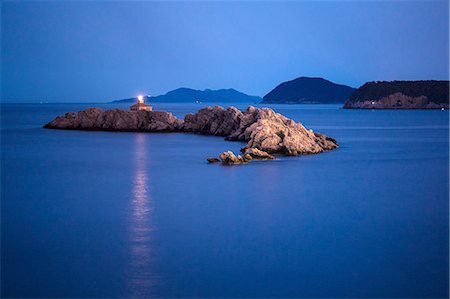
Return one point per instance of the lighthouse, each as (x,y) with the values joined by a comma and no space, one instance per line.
(140,105)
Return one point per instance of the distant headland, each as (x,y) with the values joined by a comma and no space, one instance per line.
(266,132)
(425,94)
(400,95)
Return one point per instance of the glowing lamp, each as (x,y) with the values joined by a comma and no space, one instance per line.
(140,98)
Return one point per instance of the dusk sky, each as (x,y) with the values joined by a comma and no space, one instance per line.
(100,51)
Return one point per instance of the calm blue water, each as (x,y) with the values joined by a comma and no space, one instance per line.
(98,214)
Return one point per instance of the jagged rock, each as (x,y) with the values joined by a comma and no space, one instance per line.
(247,157)
(260,128)
(213,121)
(229,158)
(274,133)
(265,131)
(257,154)
(213,160)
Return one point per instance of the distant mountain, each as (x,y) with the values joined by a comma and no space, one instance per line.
(306,90)
(187,95)
(429,94)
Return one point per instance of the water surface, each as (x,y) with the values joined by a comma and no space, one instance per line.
(104,214)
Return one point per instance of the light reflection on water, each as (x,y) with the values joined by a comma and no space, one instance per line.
(141,278)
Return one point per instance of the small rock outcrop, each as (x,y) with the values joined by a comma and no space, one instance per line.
(213,160)
(248,155)
(230,158)
(264,131)
(256,154)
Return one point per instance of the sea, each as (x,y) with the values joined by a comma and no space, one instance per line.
(115,214)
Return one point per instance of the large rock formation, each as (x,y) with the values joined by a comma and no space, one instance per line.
(264,131)
(400,95)
(117,120)
(260,128)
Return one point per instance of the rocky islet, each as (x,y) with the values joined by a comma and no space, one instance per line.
(265,132)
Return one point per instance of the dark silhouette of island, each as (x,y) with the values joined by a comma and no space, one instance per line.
(306,90)
(429,94)
(188,95)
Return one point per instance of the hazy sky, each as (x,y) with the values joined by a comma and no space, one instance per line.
(98,51)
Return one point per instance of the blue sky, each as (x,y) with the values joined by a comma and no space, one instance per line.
(98,51)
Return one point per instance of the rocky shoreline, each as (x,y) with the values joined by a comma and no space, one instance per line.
(429,94)
(396,101)
(266,132)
